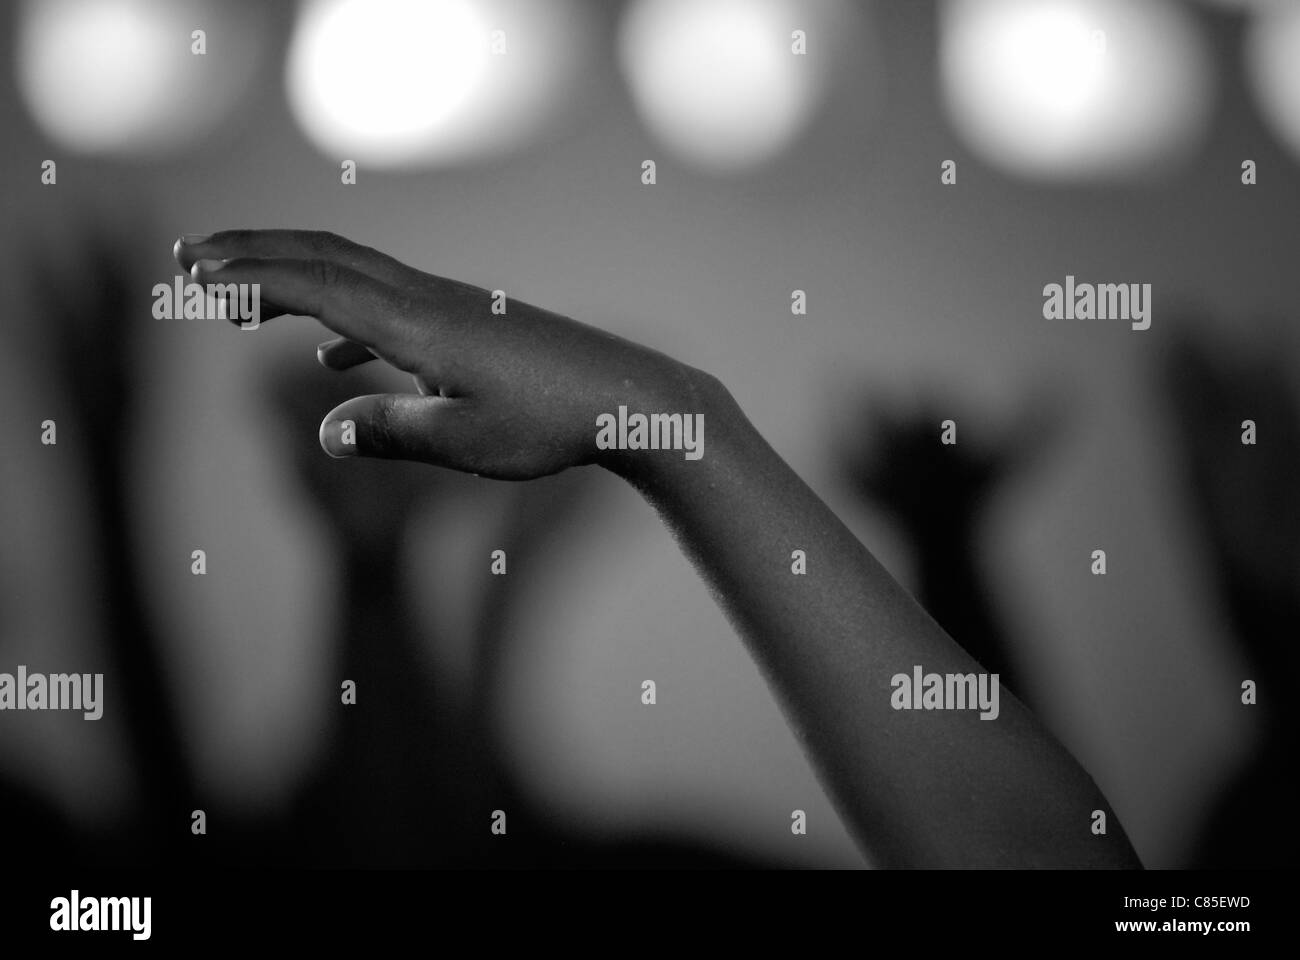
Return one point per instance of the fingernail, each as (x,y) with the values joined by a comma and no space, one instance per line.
(186,240)
(205,266)
(331,440)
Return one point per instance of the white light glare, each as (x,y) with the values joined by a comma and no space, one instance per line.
(717,81)
(1073,89)
(120,77)
(408,82)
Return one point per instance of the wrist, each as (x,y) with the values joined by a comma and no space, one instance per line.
(674,428)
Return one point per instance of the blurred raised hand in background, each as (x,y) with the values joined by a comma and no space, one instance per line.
(939,496)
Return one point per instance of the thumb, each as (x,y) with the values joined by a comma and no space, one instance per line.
(396,426)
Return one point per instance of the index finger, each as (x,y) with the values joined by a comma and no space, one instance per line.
(351,304)
(293,245)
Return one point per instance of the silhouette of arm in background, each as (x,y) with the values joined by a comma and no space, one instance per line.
(89,347)
(938,496)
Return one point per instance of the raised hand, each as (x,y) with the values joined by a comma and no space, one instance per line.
(519,396)
(511,396)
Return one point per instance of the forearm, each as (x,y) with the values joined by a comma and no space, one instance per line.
(918,787)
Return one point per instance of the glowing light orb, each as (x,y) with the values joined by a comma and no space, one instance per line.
(717,81)
(1073,89)
(408,82)
(120,77)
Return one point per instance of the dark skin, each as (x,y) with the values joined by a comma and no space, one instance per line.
(516,397)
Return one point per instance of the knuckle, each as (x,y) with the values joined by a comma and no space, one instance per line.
(324,273)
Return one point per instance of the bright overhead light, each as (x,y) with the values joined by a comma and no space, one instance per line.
(718,82)
(408,82)
(123,77)
(1073,89)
